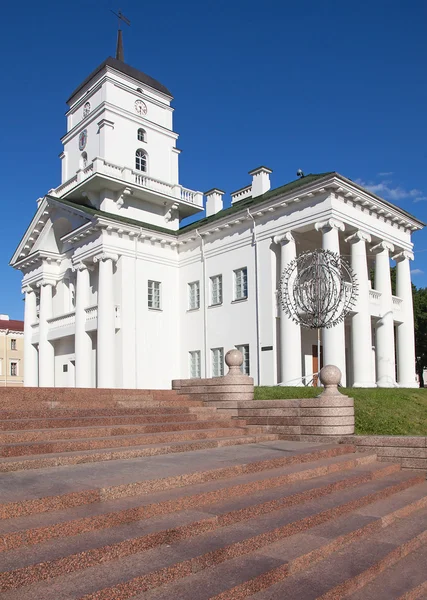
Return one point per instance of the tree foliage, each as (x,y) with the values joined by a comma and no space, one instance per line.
(420,323)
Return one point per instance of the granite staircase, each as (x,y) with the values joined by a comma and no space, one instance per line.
(109,495)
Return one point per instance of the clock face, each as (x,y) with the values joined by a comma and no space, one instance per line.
(82,139)
(140,107)
(86,109)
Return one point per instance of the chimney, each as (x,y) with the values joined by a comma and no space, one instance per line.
(214,201)
(260,181)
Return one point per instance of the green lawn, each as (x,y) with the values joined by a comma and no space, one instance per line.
(378,411)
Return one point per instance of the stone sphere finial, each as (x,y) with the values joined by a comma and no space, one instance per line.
(330,377)
(234,360)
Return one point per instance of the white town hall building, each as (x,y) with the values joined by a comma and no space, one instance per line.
(117,294)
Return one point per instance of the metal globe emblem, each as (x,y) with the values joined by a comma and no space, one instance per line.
(318,289)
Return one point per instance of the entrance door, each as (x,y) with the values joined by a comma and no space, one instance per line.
(316,367)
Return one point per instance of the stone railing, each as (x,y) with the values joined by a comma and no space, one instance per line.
(63,320)
(138,178)
(241,194)
(397,303)
(374,296)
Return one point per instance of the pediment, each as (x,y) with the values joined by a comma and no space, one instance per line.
(52,221)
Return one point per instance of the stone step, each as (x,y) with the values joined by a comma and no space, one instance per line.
(135,426)
(304,482)
(29,492)
(405,580)
(266,572)
(119,439)
(96,421)
(7,417)
(137,566)
(263,510)
(191,441)
(355,566)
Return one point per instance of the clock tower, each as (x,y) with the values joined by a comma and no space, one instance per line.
(120,151)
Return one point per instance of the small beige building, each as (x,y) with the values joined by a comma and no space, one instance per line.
(11,352)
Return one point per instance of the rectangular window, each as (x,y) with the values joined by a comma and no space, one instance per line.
(13,344)
(216,289)
(13,369)
(217,362)
(244,349)
(194,295)
(241,283)
(195,364)
(154,300)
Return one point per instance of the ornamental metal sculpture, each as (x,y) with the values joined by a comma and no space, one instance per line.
(318,289)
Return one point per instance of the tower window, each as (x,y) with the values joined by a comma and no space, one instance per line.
(141,160)
(142,136)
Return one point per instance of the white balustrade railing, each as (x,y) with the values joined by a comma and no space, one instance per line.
(67,184)
(99,165)
(91,312)
(63,320)
(374,296)
(397,302)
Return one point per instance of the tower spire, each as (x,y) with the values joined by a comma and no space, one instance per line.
(119,47)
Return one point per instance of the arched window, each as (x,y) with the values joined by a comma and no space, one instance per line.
(141,160)
(83,160)
(142,136)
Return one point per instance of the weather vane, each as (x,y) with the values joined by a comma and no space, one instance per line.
(119,49)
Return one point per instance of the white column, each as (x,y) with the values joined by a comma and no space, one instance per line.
(290,332)
(405,331)
(46,349)
(334,337)
(106,322)
(385,327)
(31,359)
(361,331)
(83,342)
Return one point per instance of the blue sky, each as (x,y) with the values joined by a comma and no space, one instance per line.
(320,86)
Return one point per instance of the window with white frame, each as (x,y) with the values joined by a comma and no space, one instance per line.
(244,349)
(154,299)
(241,283)
(194,360)
(217,362)
(216,289)
(141,160)
(13,369)
(194,295)
(13,344)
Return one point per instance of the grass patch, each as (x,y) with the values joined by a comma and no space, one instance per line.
(379,411)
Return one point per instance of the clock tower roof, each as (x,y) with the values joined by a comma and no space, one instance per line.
(127,70)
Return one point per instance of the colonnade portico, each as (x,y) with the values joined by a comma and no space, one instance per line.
(333,339)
